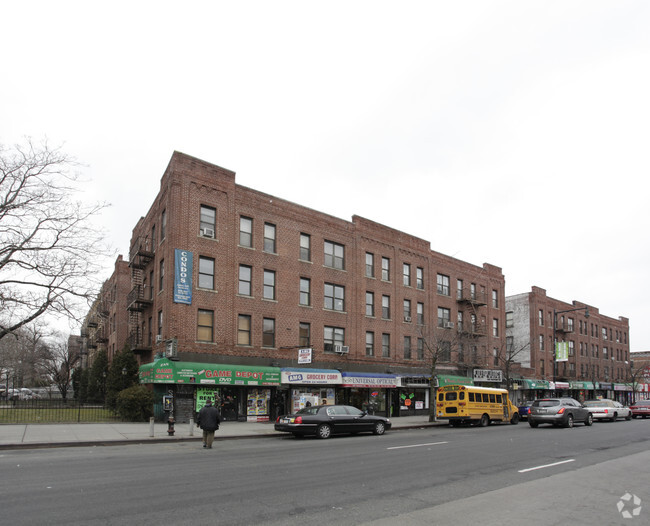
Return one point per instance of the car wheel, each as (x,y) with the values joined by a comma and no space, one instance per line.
(532,423)
(589,420)
(324,431)
(485,421)
(515,419)
(628,417)
(569,421)
(380,428)
(613,419)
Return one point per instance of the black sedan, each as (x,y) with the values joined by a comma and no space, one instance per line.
(326,420)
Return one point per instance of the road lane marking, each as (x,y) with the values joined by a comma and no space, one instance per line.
(547,465)
(418,445)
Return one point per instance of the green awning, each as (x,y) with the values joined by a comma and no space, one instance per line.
(535,384)
(446,379)
(172,372)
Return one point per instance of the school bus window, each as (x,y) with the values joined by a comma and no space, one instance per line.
(441,397)
(486,398)
(451,396)
(471,397)
(461,396)
(498,399)
(493,398)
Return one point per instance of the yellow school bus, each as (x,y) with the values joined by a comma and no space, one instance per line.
(462,404)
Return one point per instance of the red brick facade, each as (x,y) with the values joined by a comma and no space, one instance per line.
(337,296)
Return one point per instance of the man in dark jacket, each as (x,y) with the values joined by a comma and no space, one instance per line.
(208,420)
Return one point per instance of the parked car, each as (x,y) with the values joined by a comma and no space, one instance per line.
(326,420)
(608,410)
(563,411)
(524,409)
(640,408)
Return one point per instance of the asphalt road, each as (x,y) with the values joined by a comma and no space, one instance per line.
(502,474)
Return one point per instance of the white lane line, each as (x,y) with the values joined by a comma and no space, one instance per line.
(547,465)
(418,445)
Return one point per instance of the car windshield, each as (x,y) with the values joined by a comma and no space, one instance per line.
(546,403)
(312,410)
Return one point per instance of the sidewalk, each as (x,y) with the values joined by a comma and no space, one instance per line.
(29,436)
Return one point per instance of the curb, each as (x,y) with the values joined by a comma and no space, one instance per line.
(154,440)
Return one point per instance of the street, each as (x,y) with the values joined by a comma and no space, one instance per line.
(499,475)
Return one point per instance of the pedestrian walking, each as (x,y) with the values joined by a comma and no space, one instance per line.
(208,420)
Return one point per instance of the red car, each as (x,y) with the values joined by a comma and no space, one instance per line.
(641,408)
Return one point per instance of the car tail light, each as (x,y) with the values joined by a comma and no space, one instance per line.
(277,420)
(606,411)
(298,420)
(561,411)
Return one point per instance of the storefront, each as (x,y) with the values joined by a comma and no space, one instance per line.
(368,391)
(412,397)
(241,392)
(304,387)
(532,389)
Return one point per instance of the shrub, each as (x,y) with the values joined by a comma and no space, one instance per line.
(135,404)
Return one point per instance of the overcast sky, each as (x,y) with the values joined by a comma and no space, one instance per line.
(513,133)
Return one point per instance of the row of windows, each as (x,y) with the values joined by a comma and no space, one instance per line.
(587,329)
(608,352)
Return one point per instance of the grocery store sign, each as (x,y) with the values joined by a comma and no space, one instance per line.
(488,375)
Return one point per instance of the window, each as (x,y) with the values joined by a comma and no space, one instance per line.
(420,313)
(420,349)
(385,345)
(304,335)
(407,310)
(207,221)
(245,280)
(444,316)
(205,326)
(370,265)
(370,304)
(269,285)
(406,274)
(206,273)
(495,355)
(510,319)
(305,291)
(495,299)
(243,329)
(385,269)
(445,351)
(161,275)
(268,332)
(152,285)
(385,307)
(246,232)
(419,278)
(370,343)
(495,327)
(153,238)
(163,224)
(334,297)
(333,336)
(269,238)
(540,317)
(459,289)
(443,284)
(160,324)
(541,342)
(407,347)
(305,247)
(334,255)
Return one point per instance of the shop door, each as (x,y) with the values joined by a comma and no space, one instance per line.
(229,404)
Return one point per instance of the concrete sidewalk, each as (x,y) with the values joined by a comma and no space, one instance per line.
(27,436)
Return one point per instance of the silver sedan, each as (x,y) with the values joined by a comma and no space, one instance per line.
(608,410)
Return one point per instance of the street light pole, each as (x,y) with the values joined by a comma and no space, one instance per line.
(555,313)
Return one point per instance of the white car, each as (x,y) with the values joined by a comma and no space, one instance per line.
(608,410)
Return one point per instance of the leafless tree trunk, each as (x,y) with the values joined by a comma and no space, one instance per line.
(60,363)
(51,255)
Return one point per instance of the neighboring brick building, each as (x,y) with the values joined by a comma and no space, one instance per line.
(597,346)
(232,282)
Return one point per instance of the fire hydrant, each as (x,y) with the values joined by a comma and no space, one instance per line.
(170,426)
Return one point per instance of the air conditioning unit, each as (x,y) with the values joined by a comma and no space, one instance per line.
(207,232)
(342,349)
(159,338)
(449,325)
(407,319)
(171,349)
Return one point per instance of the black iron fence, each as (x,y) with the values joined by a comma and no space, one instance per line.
(43,411)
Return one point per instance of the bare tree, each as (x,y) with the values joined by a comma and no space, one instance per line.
(50,253)
(60,362)
(506,359)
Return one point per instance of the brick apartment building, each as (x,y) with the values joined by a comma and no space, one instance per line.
(596,347)
(268,305)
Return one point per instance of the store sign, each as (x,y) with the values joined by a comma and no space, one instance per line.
(304,355)
(182,276)
(488,375)
(371,381)
(302,376)
(172,372)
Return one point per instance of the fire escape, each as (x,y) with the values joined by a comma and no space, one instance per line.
(472,301)
(139,299)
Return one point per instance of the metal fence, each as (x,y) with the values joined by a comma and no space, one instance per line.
(42,411)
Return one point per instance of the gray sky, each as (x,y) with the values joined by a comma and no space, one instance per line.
(514,133)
